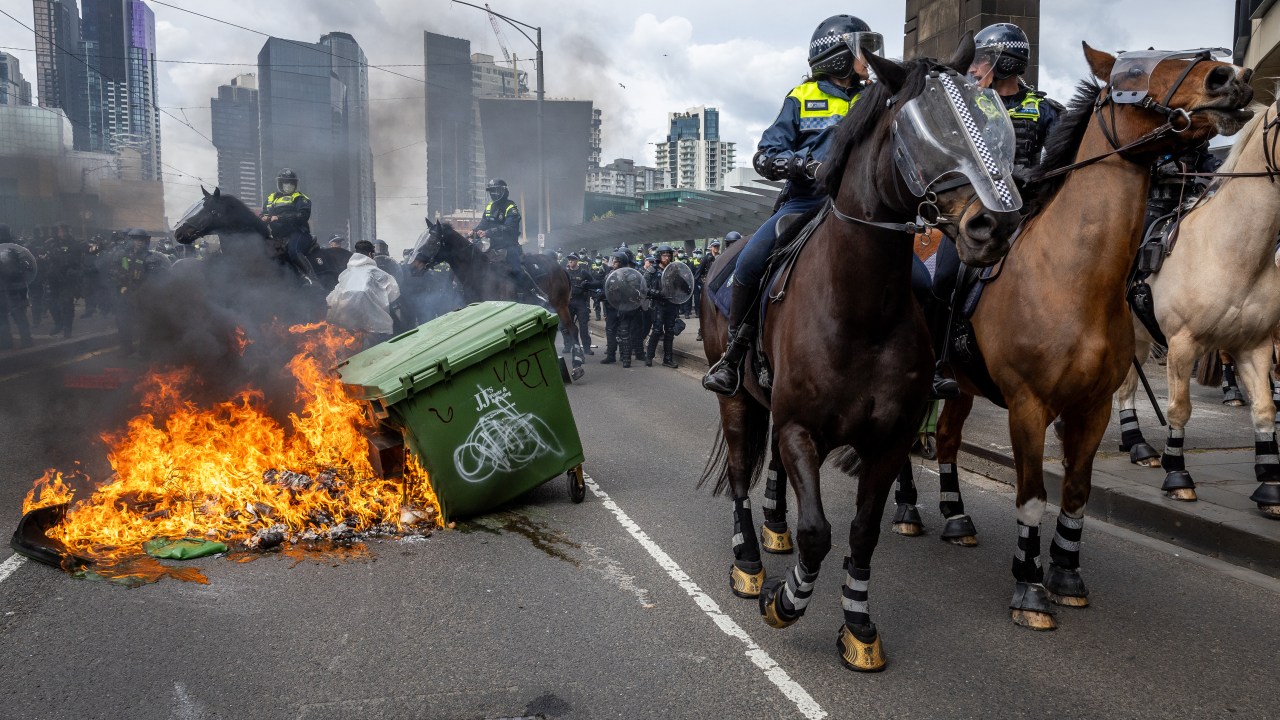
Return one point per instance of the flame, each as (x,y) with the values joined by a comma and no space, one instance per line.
(228,471)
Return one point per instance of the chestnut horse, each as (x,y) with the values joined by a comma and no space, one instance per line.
(480,279)
(1214,294)
(850,356)
(1054,327)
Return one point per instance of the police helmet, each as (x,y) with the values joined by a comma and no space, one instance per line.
(621,257)
(382,247)
(664,248)
(138,234)
(286,176)
(1006,47)
(573,256)
(497,189)
(836,42)
(732,237)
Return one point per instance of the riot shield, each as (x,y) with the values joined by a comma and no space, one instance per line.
(624,289)
(18,267)
(676,283)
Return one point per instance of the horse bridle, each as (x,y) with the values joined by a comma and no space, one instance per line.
(1269,142)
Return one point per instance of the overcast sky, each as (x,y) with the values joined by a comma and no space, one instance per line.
(636,60)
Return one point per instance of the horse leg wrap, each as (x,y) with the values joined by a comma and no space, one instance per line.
(959,528)
(1230,389)
(1266,458)
(1026,559)
(906,492)
(1275,393)
(782,603)
(857,611)
(1063,580)
(906,518)
(1131,439)
(746,547)
(1177,483)
(775,497)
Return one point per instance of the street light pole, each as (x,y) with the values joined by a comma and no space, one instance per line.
(544,202)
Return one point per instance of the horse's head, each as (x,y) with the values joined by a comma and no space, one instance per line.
(432,248)
(922,141)
(1179,99)
(216,212)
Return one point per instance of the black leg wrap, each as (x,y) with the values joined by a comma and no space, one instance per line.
(1266,458)
(1131,439)
(1030,596)
(1172,458)
(775,497)
(1230,388)
(950,503)
(746,547)
(906,492)
(1064,551)
(793,597)
(857,611)
(1026,560)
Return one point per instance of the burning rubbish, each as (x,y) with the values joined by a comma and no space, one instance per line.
(230,474)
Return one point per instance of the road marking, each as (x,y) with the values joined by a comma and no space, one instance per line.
(803,701)
(64,363)
(10,564)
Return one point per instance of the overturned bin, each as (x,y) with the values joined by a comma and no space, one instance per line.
(479,399)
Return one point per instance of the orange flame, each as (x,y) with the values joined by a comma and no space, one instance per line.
(185,471)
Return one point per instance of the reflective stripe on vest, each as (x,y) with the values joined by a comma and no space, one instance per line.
(1028,110)
(818,110)
(274,199)
(488,211)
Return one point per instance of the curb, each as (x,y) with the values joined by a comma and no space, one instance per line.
(29,358)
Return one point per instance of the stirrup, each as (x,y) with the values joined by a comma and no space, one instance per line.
(944,388)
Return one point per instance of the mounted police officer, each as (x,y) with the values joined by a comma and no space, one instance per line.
(1003,54)
(288,213)
(582,282)
(792,149)
(501,225)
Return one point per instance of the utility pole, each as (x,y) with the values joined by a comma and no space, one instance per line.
(544,203)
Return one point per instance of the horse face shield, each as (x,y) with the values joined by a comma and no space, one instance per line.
(955,127)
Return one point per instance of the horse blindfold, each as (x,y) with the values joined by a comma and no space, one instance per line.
(955,127)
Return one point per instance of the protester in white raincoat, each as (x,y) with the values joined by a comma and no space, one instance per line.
(362,299)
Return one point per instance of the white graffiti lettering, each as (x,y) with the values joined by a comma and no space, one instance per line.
(503,440)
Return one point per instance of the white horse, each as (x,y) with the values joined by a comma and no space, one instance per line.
(1220,288)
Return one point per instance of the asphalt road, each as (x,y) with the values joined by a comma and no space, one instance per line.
(618,607)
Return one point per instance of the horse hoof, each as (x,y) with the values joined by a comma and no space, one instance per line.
(1272,511)
(1143,455)
(1030,607)
(1149,462)
(1233,403)
(1065,587)
(960,531)
(1038,621)
(744,584)
(1182,494)
(1178,485)
(861,655)
(907,521)
(770,609)
(777,543)
(1267,496)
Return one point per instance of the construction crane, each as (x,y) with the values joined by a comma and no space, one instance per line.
(502,43)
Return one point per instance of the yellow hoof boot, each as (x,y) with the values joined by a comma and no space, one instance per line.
(770,611)
(745,584)
(775,542)
(858,655)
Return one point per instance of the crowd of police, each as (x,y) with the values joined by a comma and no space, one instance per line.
(50,278)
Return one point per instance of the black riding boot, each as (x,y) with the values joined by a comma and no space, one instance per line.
(941,317)
(668,355)
(305,271)
(652,349)
(723,378)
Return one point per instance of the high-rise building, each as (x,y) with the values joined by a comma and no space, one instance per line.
(452,137)
(624,177)
(694,157)
(934,27)
(235,135)
(115,106)
(57,30)
(593,144)
(313,118)
(14,90)
(491,79)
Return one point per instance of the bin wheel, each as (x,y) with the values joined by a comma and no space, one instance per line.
(577,486)
(929,446)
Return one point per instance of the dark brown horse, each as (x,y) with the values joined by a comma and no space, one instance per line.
(1054,328)
(850,356)
(481,279)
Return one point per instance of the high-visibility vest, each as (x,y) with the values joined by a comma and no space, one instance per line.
(819,110)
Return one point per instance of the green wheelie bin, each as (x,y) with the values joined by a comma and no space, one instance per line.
(479,397)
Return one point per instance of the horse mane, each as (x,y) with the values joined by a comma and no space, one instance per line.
(1243,138)
(257,224)
(866,114)
(1060,147)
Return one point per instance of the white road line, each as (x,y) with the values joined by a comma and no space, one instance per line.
(10,564)
(804,702)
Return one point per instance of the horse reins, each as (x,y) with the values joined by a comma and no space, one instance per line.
(1269,142)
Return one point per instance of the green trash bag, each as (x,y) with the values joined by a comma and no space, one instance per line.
(184,549)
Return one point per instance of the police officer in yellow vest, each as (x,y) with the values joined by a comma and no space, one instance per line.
(792,149)
(288,212)
(1003,55)
(501,225)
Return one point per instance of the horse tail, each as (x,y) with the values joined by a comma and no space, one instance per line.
(847,461)
(755,446)
(1209,373)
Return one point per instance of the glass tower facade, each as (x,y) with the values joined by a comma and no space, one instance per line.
(235,134)
(452,139)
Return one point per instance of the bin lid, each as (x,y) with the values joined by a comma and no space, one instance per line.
(433,352)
